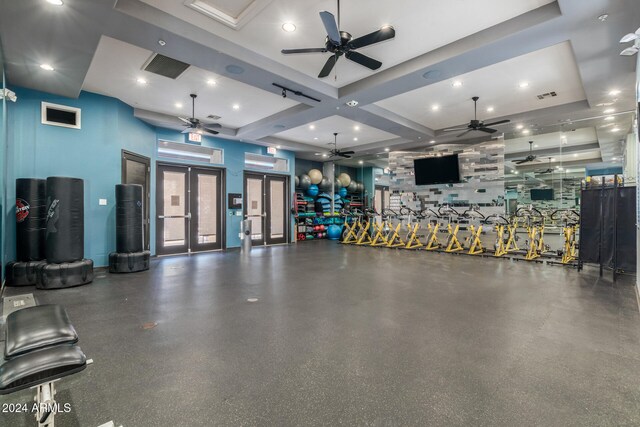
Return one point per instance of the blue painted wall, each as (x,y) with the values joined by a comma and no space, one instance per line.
(93,153)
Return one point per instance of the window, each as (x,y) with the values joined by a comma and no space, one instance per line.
(60,115)
(192,153)
(265,163)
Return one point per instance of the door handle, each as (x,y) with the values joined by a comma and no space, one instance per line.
(174,216)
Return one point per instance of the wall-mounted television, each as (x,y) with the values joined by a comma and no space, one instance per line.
(542,194)
(437,170)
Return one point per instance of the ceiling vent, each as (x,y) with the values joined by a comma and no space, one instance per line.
(547,95)
(165,66)
(213,117)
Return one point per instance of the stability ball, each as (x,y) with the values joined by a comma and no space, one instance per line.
(313,190)
(342,192)
(333,232)
(325,184)
(339,183)
(345,179)
(352,187)
(297,181)
(316,176)
(305,181)
(360,187)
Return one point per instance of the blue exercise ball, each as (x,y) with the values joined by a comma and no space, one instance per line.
(313,190)
(334,232)
(342,192)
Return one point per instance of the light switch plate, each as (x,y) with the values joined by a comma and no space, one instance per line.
(102,202)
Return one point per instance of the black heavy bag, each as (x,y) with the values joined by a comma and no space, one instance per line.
(65,219)
(31,219)
(129,233)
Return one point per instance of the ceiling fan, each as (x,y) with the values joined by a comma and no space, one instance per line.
(549,169)
(341,43)
(194,125)
(338,153)
(530,158)
(476,124)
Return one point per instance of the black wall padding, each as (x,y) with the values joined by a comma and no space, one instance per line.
(31,219)
(589,226)
(129,217)
(626,229)
(65,220)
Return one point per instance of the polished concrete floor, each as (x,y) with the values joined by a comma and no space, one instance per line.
(351,336)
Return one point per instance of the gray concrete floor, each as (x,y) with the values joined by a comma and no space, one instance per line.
(351,336)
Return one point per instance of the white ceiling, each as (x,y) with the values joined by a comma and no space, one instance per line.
(551,140)
(550,69)
(421,26)
(325,128)
(116,67)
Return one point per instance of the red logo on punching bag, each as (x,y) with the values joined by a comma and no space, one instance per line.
(22,210)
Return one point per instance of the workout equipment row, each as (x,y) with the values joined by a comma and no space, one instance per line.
(442,231)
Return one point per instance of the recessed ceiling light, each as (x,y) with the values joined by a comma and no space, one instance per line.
(615,130)
(520,127)
(211,82)
(609,111)
(47,67)
(312,127)
(289,27)
(141,81)
(614,158)
(535,146)
(387,149)
(435,107)
(278,147)
(433,141)
(324,155)
(352,103)
(609,118)
(55,2)
(178,105)
(614,92)
(162,42)
(315,139)
(553,159)
(575,154)
(523,85)
(456,83)
(355,139)
(356,127)
(526,131)
(236,107)
(490,109)
(603,17)
(360,162)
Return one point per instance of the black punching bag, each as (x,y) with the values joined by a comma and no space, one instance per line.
(129,218)
(65,219)
(31,219)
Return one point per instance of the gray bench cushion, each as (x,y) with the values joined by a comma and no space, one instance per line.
(40,366)
(37,327)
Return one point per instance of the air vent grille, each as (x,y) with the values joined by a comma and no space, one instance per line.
(213,117)
(165,66)
(547,95)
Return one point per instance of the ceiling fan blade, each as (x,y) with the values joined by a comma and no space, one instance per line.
(346,156)
(487,130)
(213,126)
(501,122)
(331,26)
(347,152)
(381,35)
(455,129)
(307,50)
(184,119)
(519,162)
(211,131)
(188,130)
(464,133)
(361,59)
(328,66)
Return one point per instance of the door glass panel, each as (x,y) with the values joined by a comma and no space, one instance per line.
(387,198)
(254,207)
(174,199)
(378,201)
(136,172)
(207,208)
(276,216)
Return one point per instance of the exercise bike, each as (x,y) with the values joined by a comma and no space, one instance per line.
(534,224)
(474,241)
(453,243)
(570,220)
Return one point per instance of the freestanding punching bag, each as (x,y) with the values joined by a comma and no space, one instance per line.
(64,246)
(130,255)
(31,216)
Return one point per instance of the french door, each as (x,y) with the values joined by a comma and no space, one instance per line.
(189,209)
(266,205)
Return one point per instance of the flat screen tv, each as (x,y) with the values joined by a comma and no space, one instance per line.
(437,170)
(542,194)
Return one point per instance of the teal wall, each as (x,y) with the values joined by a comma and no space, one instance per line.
(3,162)
(93,153)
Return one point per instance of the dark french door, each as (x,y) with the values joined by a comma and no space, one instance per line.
(266,205)
(189,209)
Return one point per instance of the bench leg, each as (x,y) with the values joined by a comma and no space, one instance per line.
(45,399)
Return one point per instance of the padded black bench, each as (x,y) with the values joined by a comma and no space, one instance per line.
(40,348)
